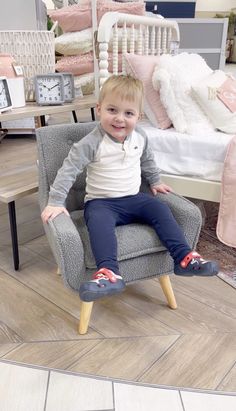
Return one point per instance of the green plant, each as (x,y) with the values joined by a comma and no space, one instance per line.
(49,23)
(232,22)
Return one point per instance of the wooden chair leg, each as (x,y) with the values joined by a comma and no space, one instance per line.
(58,271)
(85,314)
(168,291)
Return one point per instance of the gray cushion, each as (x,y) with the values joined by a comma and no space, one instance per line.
(133,240)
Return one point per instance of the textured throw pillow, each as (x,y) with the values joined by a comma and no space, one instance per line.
(82,64)
(142,68)
(85,82)
(59,3)
(174,77)
(76,42)
(136,7)
(73,18)
(206,95)
(76,65)
(79,16)
(81,42)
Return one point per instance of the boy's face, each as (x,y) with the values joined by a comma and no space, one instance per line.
(118,116)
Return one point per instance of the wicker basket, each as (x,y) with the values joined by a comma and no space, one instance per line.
(33,50)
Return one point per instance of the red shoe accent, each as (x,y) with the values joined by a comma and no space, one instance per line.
(105,273)
(188,258)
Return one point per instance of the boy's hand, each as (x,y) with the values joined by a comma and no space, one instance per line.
(52,212)
(161,188)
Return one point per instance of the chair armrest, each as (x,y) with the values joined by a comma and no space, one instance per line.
(67,248)
(186,213)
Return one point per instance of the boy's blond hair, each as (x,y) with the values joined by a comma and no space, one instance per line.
(125,86)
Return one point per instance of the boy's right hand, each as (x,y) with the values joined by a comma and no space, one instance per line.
(52,212)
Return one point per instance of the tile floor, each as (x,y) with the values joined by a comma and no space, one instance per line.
(28,388)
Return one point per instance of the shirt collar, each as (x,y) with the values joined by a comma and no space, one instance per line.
(103,132)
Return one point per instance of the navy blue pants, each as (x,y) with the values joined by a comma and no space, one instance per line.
(103,215)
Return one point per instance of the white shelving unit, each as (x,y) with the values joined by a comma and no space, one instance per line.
(206,37)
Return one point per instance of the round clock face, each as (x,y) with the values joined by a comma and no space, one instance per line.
(49,89)
(69,93)
(5,100)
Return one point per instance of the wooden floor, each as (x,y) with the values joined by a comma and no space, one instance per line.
(133,336)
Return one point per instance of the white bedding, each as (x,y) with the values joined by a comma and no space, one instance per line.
(184,154)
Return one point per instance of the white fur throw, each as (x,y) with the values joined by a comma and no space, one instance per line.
(174,78)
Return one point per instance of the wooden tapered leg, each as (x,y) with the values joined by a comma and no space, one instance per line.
(168,291)
(58,271)
(85,314)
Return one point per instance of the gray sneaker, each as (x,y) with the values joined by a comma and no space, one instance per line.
(104,283)
(194,264)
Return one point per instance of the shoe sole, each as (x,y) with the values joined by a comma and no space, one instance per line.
(89,296)
(198,274)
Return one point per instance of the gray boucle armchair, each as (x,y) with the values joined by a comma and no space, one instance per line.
(140,253)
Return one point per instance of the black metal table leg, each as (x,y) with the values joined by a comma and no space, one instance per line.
(43,122)
(14,239)
(92,113)
(74,116)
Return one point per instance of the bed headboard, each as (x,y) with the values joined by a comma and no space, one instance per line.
(141,35)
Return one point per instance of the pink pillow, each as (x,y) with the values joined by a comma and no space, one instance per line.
(76,65)
(227,93)
(79,17)
(142,67)
(82,64)
(103,6)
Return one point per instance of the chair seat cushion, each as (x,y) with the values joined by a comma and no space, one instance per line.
(133,240)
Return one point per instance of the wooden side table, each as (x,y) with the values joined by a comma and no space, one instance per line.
(13,186)
(34,110)
(17,184)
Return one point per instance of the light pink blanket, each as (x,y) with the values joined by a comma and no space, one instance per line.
(226,224)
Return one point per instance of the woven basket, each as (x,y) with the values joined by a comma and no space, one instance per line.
(33,50)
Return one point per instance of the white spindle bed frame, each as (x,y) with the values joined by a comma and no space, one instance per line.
(155,36)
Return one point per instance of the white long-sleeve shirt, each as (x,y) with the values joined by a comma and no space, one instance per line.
(113,168)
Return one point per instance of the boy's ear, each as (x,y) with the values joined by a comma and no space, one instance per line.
(98,109)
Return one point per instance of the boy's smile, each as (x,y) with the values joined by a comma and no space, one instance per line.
(118,116)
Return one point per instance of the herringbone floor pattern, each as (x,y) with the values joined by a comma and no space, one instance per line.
(133,336)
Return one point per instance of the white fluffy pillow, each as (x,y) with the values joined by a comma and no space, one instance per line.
(206,95)
(174,77)
(76,42)
(85,82)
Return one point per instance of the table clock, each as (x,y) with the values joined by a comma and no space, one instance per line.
(5,98)
(69,89)
(49,89)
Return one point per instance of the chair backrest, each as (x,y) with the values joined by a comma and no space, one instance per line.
(54,144)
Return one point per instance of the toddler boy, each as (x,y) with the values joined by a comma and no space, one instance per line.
(116,154)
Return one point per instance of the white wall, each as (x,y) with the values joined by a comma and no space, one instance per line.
(215,5)
(22,15)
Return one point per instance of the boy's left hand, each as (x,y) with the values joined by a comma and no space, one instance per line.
(161,188)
